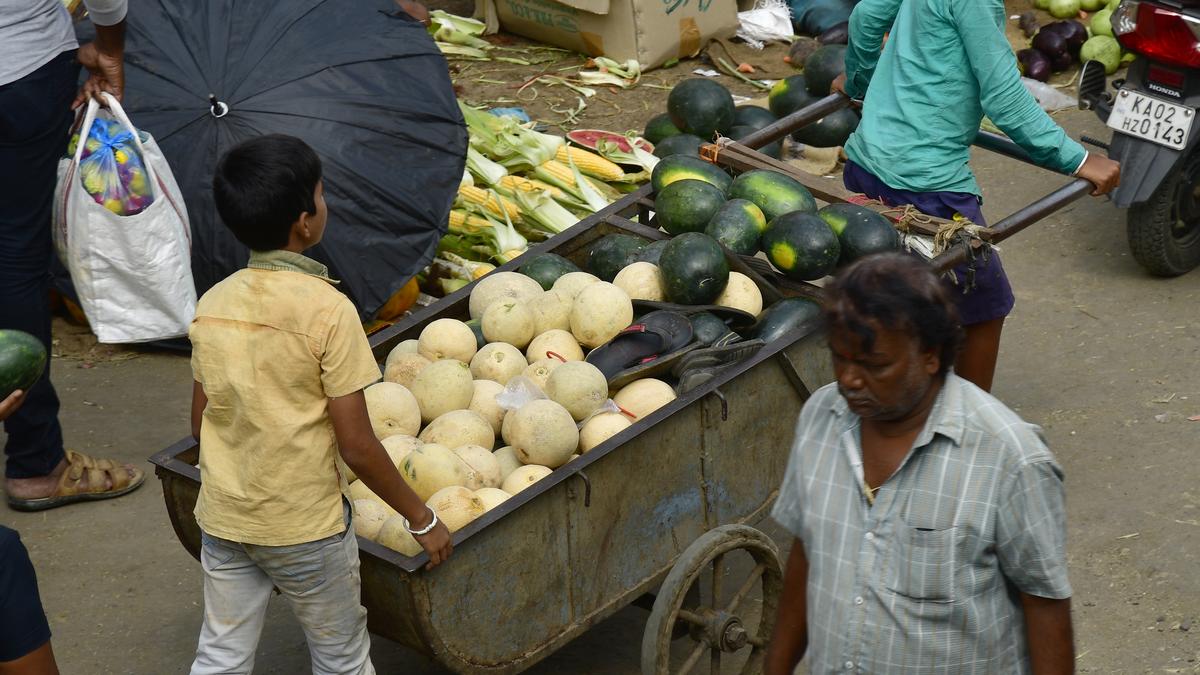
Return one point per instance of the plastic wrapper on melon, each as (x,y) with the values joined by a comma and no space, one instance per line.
(111,168)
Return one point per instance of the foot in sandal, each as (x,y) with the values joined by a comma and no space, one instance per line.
(77,478)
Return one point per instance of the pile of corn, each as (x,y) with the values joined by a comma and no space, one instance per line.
(520,186)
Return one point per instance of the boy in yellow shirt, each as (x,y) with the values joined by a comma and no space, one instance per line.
(280,362)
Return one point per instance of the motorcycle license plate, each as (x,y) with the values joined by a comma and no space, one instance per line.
(1152,119)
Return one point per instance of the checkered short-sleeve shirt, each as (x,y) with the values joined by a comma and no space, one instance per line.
(926,580)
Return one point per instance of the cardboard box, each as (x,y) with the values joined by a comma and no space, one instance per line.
(651,31)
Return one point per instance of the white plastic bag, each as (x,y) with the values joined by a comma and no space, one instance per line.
(1048,97)
(133,273)
(770,20)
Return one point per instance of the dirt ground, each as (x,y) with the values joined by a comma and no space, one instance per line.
(1105,358)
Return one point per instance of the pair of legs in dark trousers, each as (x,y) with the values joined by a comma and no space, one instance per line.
(35,116)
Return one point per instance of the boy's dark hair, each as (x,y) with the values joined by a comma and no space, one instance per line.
(898,291)
(261,187)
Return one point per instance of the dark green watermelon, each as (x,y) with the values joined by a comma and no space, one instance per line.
(700,107)
(546,268)
(612,253)
(22,361)
(476,326)
(686,206)
(822,67)
(789,95)
(753,116)
(773,192)
(801,245)
(829,131)
(660,128)
(653,251)
(707,328)
(679,144)
(694,270)
(782,317)
(860,231)
(738,224)
(683,167)
(773,149)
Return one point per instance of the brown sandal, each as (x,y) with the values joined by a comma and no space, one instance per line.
(82,481)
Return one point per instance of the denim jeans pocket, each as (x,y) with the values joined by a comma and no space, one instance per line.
(215,553)
(303,568)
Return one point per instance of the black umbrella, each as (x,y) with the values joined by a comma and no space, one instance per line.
(361,82)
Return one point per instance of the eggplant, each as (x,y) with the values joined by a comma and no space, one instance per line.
(1029,24)
(1034,64)
(838,35)
(1054,47)
(1071,31)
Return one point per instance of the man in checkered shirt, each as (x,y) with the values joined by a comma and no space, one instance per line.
(929,519)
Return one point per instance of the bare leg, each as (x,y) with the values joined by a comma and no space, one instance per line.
(37,662)
(977,361)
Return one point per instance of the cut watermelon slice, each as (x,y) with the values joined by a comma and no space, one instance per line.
(589,138)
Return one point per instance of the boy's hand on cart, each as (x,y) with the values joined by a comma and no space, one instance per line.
(1102,172)
(436,543)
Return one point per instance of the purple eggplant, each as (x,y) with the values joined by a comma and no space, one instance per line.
(837,35)
(1054,47)
(1029,24)
(1071,31)
(1034,64)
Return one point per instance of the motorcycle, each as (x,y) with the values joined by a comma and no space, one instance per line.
(1153,112)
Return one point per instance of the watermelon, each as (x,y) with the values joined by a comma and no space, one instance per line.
(590,138)
(546,268)
(660,128)
(694,270)
(682,167)
(773,192)
(822,67)
(830,131)
(753,116)
(783,316)
(476,326)
(773,149)
(700,107)
(686,206)
(801,245)
(707,328)
(22,361)
(860,231)
(612,253)
(789,95)
(738,224)
(653,251)
(679,144)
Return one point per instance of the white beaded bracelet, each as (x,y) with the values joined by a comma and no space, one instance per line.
(428,528)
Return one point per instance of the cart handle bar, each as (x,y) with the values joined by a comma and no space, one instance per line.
(1017,221)
(801,118)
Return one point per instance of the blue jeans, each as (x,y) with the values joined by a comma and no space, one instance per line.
(35,116)
(23,626)
(319,579)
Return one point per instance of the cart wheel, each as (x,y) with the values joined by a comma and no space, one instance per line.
(714,618)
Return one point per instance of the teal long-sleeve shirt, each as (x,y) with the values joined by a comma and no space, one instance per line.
(946,63)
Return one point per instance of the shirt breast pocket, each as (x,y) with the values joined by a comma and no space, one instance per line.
(923,564)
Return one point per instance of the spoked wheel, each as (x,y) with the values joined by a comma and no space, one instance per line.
(1164,232)
(723,622)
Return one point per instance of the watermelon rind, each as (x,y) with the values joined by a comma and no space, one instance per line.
(660,128)
(700,107)
(679,144)
(612,253)
(801,245)
(694,269)
(822,67)
(683,167)
(738,225)
(22,361)
(546,268)
(789,95)
(773,192)
(687,206)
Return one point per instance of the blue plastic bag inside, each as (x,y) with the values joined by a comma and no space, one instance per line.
(111,168)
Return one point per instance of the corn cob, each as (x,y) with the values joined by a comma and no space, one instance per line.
(495,204)
(462,222)
(511,182)
(556,173)
(589,163)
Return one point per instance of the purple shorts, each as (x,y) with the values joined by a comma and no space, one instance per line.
(991,296)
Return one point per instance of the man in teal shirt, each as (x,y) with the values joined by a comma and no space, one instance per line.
(942,66)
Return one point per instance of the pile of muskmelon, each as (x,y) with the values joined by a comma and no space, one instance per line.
(439,413)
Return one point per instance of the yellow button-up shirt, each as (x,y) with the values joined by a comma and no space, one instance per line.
(270,345)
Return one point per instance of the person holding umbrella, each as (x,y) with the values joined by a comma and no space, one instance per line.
(39,66)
